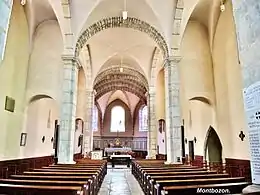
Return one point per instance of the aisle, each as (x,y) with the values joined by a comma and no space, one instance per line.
(120,181)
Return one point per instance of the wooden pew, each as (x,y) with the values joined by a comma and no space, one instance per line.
(70,176)
(12,189)
(87,181)
(96,180)
(146,176)
(153,179)
(163,183)
(232,188)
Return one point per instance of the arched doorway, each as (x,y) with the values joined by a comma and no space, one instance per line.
(213,147)
(78,143)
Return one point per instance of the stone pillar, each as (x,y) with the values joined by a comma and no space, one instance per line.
(172,109)
(246,16)
(68,111)
(88,133)
(152,133)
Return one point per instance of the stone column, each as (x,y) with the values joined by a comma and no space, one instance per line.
(152,133)
(88,133)
(246,16)
(172,109)
(68,111)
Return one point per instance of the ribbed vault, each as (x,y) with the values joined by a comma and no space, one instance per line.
(129,80)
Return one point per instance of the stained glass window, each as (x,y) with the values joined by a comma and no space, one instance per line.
(117,119)
(95,119)
(143,119)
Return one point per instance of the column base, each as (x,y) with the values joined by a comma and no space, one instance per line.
(172,163)
(150,157)
(251,189)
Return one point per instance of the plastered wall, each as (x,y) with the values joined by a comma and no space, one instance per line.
(42,114)
(160,110)
(46,68)
(211,93)
(228,84)
(44,80)
(13,73)
(81,106)
(197,90)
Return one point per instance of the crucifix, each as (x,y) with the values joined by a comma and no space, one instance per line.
(242,135)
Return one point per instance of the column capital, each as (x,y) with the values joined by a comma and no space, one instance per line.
(89,92)
(172,59)
(73,59)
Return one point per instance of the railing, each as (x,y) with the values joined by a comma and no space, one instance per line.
(138,145)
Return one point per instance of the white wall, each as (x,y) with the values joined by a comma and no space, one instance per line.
(46,67)
(41,116)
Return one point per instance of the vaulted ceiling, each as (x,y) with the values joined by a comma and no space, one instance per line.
(121,46)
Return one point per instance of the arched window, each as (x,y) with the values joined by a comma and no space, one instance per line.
(117,119)
(143,119)
(5,13)
(95,118)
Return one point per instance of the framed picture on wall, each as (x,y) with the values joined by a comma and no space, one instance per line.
(23,139)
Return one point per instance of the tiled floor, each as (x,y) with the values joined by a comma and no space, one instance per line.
(120,181)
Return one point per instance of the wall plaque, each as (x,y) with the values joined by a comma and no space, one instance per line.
(252,108)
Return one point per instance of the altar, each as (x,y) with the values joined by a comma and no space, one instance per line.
(122,150)
(121,159)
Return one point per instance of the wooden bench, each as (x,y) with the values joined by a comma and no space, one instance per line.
(163,183)
(85,178)
(145,180)
(231,188)
(147,183)
(96,180)
(87,181)
(153,179)
(12,189)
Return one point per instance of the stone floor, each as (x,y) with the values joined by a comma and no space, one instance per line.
(120,181)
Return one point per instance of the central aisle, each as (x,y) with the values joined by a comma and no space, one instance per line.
(120,181)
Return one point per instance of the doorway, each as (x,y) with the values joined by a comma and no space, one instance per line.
(213,147)
(191,150)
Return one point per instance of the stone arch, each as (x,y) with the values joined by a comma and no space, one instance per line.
(85,61)
(118,22)
(201,99)
(38,97)
(113,79)
(154,64)
(213,146)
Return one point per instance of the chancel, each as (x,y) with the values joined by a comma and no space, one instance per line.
(149,97)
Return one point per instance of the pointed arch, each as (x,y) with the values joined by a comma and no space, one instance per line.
(95,118)
(213,146)
(143,118)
